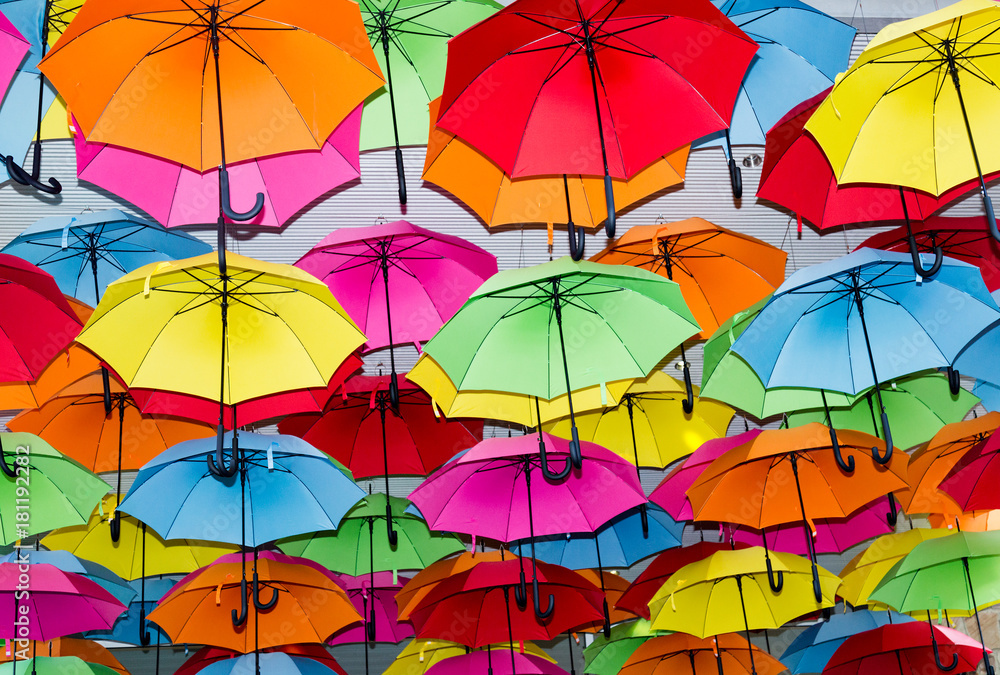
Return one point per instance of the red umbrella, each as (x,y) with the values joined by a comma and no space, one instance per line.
(209,655)
(593,87)
(913,647)
(36,322)
(972,481)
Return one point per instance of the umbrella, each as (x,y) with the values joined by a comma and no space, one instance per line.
(946,573)
(818,310)
(498,199)
(976,358)
(176,494)
(276,663)
(360,428)
(919,65)
(411,38)
(700,597)
(617,321)
(801,52)
(737,486)
(353,549)
(424,581)
(131,628)
(479,662)
(304,604)
(970,480)
(374,598)
(15,46)
(50,489)
(162,65)
(208,655)
(144,323)
(88,650)
(606,656)
(68,366)
(419,655)
(863,572)
(67,562)
(906,647)
(561,79)
(811,649)
(612,586)
(57,665)
(988,393)
(374,269)
(27,346)
(175,194)
(689,655)
(88,251)
(138,551)
(57,603)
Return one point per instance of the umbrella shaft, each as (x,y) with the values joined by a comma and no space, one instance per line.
(868,345)
(592,65)
(953,70)
(562,347)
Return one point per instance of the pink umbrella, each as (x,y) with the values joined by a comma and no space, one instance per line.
(13,47)
(423,275)
(177,195)
(373,595)
(671,493)
(58,603)
(481,662)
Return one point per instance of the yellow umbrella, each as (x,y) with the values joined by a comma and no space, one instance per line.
(419,655)
(508,406)
(865,570)
(648,426)
(918,106)
(730,591)
(125,556)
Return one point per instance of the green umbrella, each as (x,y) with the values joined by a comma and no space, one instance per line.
(549,329)
(410,39)
(351,549)
(48,490)
(958,572)
(55,665)
(923,402)
(606,656)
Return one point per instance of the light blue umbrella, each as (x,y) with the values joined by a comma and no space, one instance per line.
(853,322)
(272,663)
(980,358)
(810,651)
(801,51)
(988,393)
(282,486)
(88,251)
(68,562)
(132,628)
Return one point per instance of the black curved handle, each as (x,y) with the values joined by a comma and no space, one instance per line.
(735,178)
(227,207)
(390,531)
(240,616)
(543,615)
(954,381)
(688,403)
(878,456)
(370,624)
(846,467)
(644,519)
(144,637)
(918,266)
(575,455)
(521,591)
(991,219)
(217,465)
(937,654)
(116,526)
(817,591)
(394,390)
(262,606)
(400,176)
(893,516)
(543,461)
(577,242)
(776,585)
(609,199)
(607,619)
(4,466)
(21,176)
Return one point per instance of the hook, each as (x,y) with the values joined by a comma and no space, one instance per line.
(954,381)
(544,462)
(893,516)
(21,176)
(609,199)
(937,653)
(688,403)
(144,637)
(399,175)
(116,526)
(607,619)
(393,390)
(846,467)
(240,617)
(918,266)
(575,456)
(878,456)
(537,599)
(370,624)
(227,206)
(576,241)
(217,465)
(262,606)
(776,586)
(644,518)
(393,536)
(817,591)
(735,179)
(4,466)
(521,589)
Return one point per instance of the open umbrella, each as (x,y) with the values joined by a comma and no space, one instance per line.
(977,357)
(862,573)
(419,655)
(811,649)
(970,481)
(479,662)
(68,366)
(15,46)
(424,581)
(67,562)
(564,92)
(373,597)
(689,655)
(57,665)
(131,628)
(276,662)
(209,655)
(908,648)
(606,656)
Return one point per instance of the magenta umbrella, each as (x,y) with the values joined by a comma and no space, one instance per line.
(671,493)
(174,194)
(58,603)
(13,47)
(481,662)
(488,492)
(421,275)
(378,591)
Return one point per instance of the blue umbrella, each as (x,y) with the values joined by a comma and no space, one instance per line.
(68,562)
(801,51)
(865,318)
(88,251)
(132,628)
(283,486)
(811,650)
(272,663)
(980,359)
(988,393)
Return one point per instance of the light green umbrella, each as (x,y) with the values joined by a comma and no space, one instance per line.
(606,656)
(55,665)
(48,489)
(410,40)
(549,329)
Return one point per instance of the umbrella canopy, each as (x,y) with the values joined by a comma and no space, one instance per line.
(479,662)
(607,655)
(58,603)
(56,665)
(420,655)
(424,581)
(179,497)
(689,655)
(15,46)
(27,346)
(67,367)
(976,358)
(278,663)
(86,252)
(138,552)
(700,598)
(62,492)
(310,606)
(67,562)
(969,481)
(374,598)
(131,628)
(88,650)
(862,574)
(811,649)
(208,655)
(612,586)
(912,647)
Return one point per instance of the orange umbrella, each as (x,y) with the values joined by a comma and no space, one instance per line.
(88,650)
(456,166)
(410,595)
(683,654)
(203,607)
(931,463)
(614,587)
(751,484)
